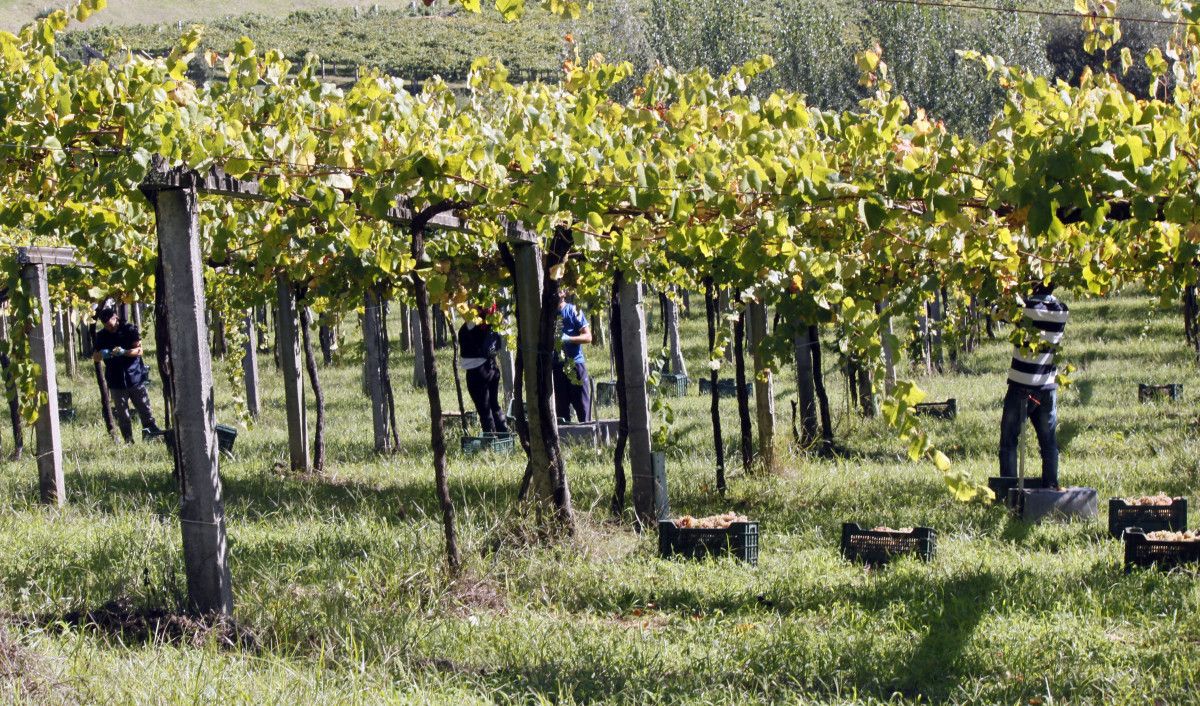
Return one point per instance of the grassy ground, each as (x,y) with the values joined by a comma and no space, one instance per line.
(340,588)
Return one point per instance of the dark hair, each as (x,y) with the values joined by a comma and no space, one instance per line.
(1042,288)
(105,313)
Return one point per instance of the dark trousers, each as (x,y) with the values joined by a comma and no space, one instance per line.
(483,384)
(571,396)
(121,397)
(1040,407)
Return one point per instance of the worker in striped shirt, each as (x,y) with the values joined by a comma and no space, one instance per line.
(1032,386)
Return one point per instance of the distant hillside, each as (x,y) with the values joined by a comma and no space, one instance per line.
(402,39)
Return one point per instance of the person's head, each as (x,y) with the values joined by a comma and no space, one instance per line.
(1044,288)
(107,317)
(562,297)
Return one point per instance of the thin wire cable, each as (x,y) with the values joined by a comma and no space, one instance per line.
(1040,13)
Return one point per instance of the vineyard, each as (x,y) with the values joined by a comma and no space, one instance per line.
(299,255)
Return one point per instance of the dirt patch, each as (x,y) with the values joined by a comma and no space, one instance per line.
(121,619)
(21,672)
(469,595)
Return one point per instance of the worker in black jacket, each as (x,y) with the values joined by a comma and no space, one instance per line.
(478,347)
(119,345)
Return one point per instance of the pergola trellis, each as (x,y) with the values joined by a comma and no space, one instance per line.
(174,194)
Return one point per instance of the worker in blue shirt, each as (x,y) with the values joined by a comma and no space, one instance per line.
(572,388)
(119,345)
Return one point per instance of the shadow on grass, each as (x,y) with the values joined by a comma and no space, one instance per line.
(261,496)
(122,622)
(936,666)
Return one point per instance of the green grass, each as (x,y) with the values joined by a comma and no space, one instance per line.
(340,580)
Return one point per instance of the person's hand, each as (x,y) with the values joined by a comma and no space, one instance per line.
(118,352)
(566,338)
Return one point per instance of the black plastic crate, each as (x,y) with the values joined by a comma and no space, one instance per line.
(497,442)
(739,540)
(880,547)
(1173,392)
(1000,485)
(1140,551)
(66,407)
(674,385)
(725,388)
(226,436)
(940,410)
(606,393)
(1149,518)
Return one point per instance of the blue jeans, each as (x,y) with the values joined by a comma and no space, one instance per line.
(1040,407)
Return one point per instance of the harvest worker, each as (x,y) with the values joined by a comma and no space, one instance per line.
(478,346)
(571,389)
(119,345)
(1032,388)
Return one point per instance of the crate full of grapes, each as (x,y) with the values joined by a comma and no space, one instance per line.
(1164,549)
(1149,513)
(729,534)
(879,545)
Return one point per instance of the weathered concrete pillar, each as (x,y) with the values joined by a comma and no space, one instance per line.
(293,378)
(414,325)
(41,351)
(373,370)
(889,353)
(201,507)
(764,392)
(671,321)
(69,343)
(250,366)
(508,375)
(637,399)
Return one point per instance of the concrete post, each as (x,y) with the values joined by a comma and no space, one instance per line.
(414,327)
(41,350)
(372,330)
(69,343)
(637,399)
(764,393)
(250,366)
(293,377)
(201,507)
